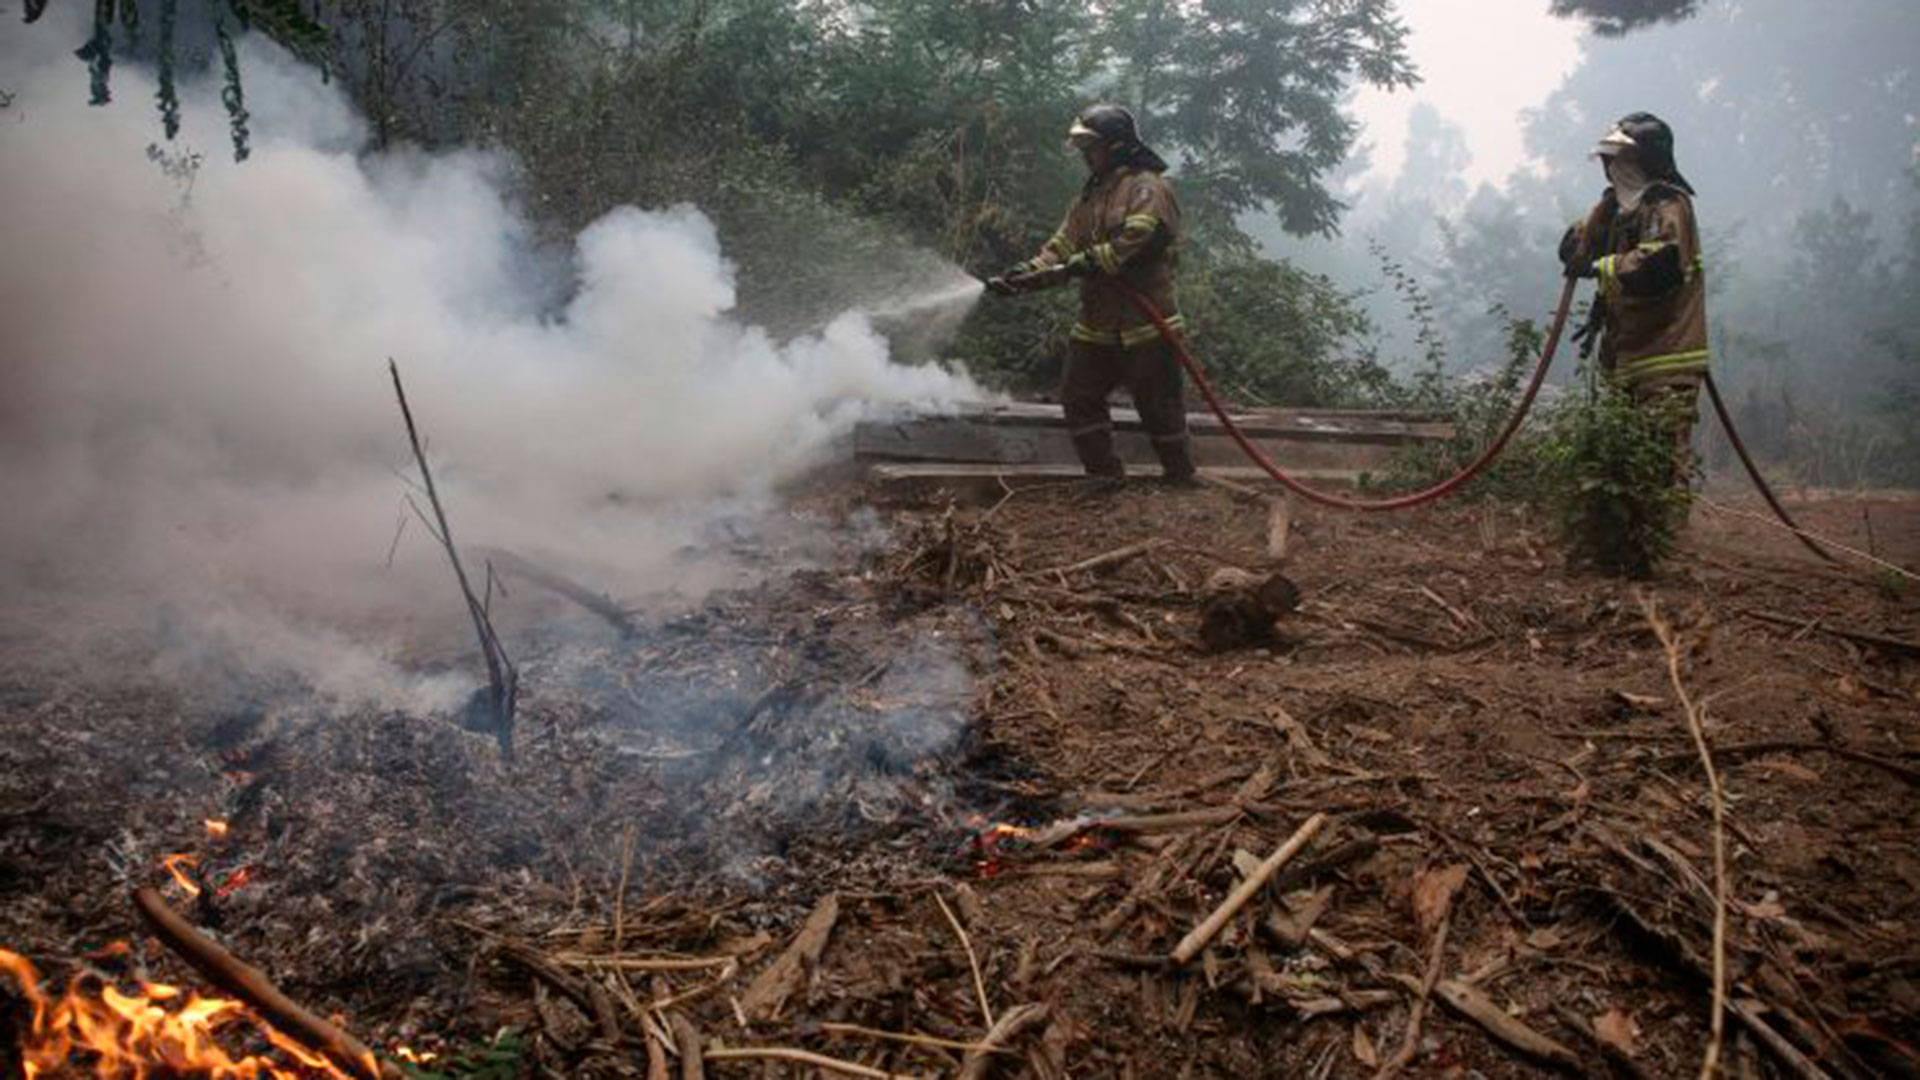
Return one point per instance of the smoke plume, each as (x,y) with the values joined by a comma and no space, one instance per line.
(198,442)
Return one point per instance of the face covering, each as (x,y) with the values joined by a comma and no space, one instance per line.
(1630,182)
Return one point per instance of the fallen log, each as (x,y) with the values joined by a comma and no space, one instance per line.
(283,1014)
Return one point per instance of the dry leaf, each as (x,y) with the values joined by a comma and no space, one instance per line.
(1615,1028)
(1363,1049)
(1433,895)
(1246,862)
(1545,938)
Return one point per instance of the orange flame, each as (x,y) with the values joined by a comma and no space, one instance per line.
(159,1030)
(176,865)
(217,829)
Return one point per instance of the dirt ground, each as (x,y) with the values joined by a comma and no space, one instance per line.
(945,806)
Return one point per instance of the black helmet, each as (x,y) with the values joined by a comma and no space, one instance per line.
(1114,126)
(1651,140)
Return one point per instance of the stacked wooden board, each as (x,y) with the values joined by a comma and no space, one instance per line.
(1024,440)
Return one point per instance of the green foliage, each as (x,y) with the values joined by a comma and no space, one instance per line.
(1479,405)
(1250,92)
(498,1059)
(232,94)
(1273,333)
(1614,18)
(98,53)
(1607,472)
(168,96)
(283,20)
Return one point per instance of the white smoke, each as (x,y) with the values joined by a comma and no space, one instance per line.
(195,415)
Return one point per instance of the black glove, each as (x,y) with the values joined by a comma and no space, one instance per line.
(1001,286)
(1572,257)
(1589,331)
(1079,264)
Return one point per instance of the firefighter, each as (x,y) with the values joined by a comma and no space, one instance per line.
(1643,245)
(1121,228)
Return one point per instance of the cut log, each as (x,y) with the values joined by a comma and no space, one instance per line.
(1239,610)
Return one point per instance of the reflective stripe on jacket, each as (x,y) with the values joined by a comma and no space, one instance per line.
(1125,223)
(1653,281)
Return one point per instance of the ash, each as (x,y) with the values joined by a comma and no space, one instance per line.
(691,753)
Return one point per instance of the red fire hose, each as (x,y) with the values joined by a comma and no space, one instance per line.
(1397,502)
(1480,463)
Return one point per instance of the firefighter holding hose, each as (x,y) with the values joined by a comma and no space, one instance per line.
(1118,234)
(1642,243)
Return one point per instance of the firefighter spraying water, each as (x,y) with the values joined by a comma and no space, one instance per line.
(1640,242)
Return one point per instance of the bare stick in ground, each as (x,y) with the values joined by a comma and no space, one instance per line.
(1710,1062)
(224,970)
(1197,939)
(502,678)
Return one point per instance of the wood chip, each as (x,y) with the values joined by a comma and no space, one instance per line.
(786,975)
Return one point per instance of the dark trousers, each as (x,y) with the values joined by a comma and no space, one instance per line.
(1679,402)
(1151,375)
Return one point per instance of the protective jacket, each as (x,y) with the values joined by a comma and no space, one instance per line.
(1652,283)
(1122,228)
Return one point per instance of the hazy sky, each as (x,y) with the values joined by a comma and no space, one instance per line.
(1481,63)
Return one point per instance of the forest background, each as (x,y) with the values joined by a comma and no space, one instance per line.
(835,144)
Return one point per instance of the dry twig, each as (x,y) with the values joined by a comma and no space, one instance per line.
(979,1062)
(979,984)
(1198,937)
(1471,1003)
(224,970)
(1450,881)
(1710,1062)
(802,1057)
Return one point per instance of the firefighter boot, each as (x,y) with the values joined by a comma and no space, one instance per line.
(1096,453)
(1176,460)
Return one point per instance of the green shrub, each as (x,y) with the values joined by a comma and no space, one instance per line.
(1607,468)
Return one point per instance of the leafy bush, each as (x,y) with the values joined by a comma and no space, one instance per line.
(1607,468)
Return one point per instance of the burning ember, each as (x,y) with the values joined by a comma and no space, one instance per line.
(180,867)
(95,1029)
(995,847)
(216,829)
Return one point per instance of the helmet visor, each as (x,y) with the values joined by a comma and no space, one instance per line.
(1080,135)
(1614,142)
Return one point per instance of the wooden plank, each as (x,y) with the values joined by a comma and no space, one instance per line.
(956,440)
(984,483)
(1315,425)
